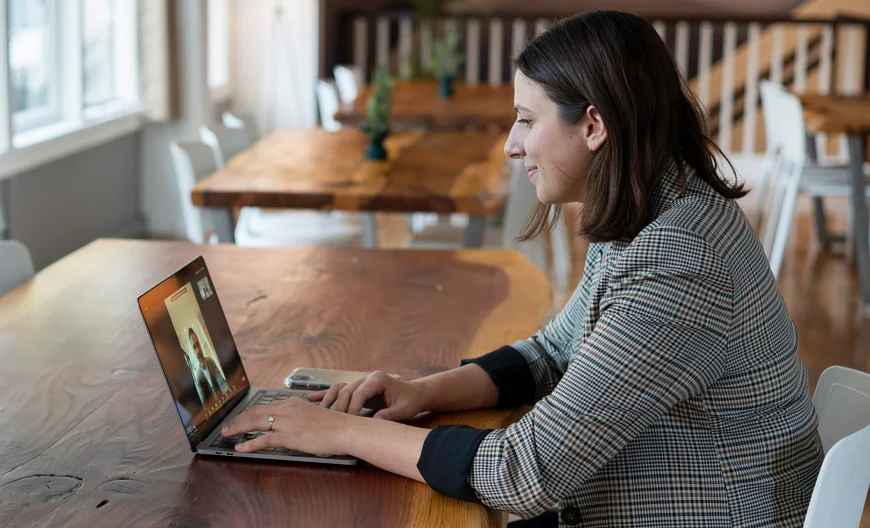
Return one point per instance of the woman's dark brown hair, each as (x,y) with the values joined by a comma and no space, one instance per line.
(617,63)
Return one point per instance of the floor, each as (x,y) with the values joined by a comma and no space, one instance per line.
(819,286)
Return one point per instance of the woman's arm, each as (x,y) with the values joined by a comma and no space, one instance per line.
(464,388)
(392,446)
(661,339)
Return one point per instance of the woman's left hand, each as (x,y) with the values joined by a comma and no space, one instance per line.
(298,424)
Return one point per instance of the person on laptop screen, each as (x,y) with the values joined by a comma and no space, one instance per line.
(215,381)
(669,391)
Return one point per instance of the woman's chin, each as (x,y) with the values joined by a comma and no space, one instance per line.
(543,198)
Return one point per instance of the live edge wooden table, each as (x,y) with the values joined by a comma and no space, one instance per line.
(848,115)
(90,436)
(416,104)
(426,171)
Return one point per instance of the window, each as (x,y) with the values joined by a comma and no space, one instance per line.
(108,52)
(98,50)
(71,64)
(218,45)
(33,62)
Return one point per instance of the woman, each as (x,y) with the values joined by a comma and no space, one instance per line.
(668,392)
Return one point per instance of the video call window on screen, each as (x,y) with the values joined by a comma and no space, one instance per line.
(205,290)
(196,346)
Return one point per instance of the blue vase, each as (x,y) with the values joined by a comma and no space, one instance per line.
(445,86)
(375,150)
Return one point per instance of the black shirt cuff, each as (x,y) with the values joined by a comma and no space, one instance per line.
(446,459)
(511,374)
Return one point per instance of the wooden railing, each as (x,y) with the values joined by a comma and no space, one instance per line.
(723,60)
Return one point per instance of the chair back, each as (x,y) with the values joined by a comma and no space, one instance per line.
(842,402)
(785,133)
(347,78)
(226,143)
(16,266)
(245,122)
(841,489)
(327,104)
(194,161)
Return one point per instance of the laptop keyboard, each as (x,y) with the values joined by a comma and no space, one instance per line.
(260,398)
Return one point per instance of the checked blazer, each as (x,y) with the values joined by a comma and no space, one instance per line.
(668,392)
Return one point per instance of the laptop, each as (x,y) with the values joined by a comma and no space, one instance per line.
(203,369)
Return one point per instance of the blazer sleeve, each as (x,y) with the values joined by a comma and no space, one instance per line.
(660,340)
(529,369)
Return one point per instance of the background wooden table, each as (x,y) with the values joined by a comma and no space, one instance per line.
(441,172)
(416,103)
(848,115)
(90,436)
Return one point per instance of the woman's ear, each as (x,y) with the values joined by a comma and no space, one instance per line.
(595,132)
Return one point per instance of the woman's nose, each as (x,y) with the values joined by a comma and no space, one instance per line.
(513,147)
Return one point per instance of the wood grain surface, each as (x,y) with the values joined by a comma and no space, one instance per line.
(416,103)
(440,172)
(90,436)
(836,113)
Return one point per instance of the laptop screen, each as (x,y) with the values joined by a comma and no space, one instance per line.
(195,348)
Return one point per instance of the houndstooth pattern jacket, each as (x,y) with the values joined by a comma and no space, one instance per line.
(668,392)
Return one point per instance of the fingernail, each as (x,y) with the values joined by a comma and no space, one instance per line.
(225,429)
(240,447)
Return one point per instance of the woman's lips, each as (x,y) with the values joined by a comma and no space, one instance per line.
(532,171)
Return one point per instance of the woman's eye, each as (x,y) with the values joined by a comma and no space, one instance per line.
(524,121)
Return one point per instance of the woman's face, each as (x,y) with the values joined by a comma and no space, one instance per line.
(556,156)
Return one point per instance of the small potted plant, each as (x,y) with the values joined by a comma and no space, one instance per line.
(377,123)
(445,62)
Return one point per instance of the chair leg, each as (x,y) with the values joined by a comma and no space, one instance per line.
(824,236)
(763,189)
(370,229)
(783,223)
(474,231)
(821,221)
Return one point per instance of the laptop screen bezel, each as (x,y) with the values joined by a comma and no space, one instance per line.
(210,424)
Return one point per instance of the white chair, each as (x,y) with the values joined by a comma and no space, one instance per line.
(245,122)
(327,104)
(226,143)
(349,79)
(16,266)
(194,161)
(842,401)
(521,199)
(787,173)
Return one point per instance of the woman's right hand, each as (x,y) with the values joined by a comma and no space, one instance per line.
(403,399)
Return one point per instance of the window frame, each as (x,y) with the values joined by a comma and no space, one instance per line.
(72,127)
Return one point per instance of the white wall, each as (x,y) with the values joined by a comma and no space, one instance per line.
(59,207)
(274,68)
(161,202)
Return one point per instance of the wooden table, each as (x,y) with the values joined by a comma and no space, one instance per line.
(90,436)
(439,171)
(848,115)
(416,103)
